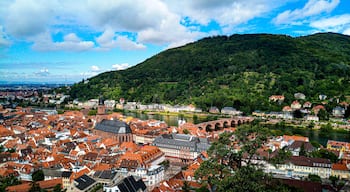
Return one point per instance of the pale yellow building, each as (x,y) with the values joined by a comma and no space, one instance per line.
(340,170)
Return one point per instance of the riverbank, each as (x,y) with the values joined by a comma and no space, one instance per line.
(320,134)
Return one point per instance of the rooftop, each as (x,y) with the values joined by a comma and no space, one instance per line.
(113,126)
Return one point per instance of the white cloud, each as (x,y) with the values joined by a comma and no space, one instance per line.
(29,17)
(335,23)
(42,73)
(71,42)
(95,68)
(162,22)
(125,15)
(109,40)
(126,44)
(347,31)
(228,13)
(311,8)
(121,66)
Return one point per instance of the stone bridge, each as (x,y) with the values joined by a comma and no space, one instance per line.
(224,123)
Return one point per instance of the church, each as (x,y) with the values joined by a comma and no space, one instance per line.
(114,129)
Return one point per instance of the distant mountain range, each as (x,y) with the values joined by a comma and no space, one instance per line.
(239,70)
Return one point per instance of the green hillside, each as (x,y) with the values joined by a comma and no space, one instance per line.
(238,70)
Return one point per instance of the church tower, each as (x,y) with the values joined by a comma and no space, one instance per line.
(101,109)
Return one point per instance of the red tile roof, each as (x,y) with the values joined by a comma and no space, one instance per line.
(340,167)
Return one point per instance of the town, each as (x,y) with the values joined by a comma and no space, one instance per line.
(77,150)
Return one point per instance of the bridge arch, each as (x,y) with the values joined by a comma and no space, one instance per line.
(208,128)
(225,124)
(217,126)
(233,123)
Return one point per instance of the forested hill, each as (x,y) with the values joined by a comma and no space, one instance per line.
(238,70)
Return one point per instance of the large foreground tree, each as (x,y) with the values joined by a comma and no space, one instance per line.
(231,165)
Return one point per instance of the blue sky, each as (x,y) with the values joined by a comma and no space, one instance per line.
(64,41)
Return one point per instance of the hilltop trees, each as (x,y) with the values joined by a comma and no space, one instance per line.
(239,70)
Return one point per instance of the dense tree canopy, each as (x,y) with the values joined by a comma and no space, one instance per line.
(237,70)
(38,175)
(8,181)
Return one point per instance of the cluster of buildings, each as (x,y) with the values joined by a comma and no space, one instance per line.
(82,152)
(11,96)
(308,110)
(131,106)
(301,164)
(112,104)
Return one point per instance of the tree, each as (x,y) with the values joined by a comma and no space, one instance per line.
(347,112)
(297,114)
(38,175)
(231,170)
(281,156)
(315,144)
(315,178)
(334,180)
(8,181)
(311,125)
(323,153)
(92,112)
(323,114)
(186,131)
(302,150)
(325,130)
(58,188)
(186,187)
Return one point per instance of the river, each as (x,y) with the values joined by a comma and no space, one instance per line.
(171,120)
(314,135)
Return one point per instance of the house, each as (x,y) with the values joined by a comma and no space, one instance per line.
(338,146)
(301,167)
(214,110)
(128,184)
(115,129)
(109,104)
(317,108)
(51,173)
(258,113)
(312,118)
(230,111)
(322,97)
(277,98)
(293,138)
(338,112)
(47,185)
(307,104)
(144,158)
(295,105)
(287,109)
(341,170)
(105,177)
(297,146)
(299,96)
(82,183)
(151,176)
(66,179)
(180,147)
